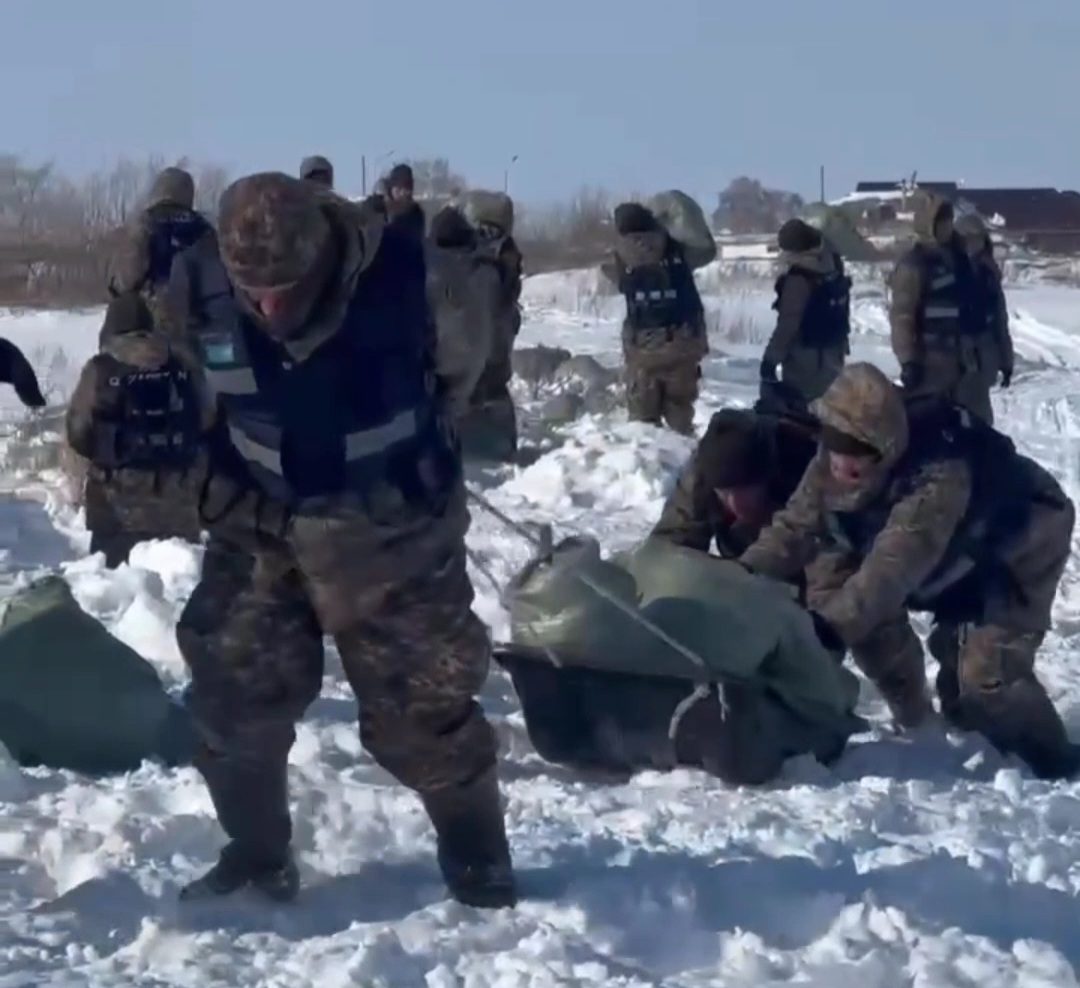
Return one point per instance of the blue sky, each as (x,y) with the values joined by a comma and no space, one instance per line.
(627,94)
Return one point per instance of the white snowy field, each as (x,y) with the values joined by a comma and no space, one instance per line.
(927,861)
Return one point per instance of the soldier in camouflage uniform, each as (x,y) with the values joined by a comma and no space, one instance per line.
(937,321)
(995,360)
(336,506)
(402,210)
(464,291)
(810,342)
(921,507)
(315,168)
(489,426)
(743,471)
(139,414)
(664,335)
(167,226)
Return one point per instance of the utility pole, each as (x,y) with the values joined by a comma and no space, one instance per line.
(363,174)
(506,174)
(823,184)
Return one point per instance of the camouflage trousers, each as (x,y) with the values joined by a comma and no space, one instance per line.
(986,680)
(965,372)
(664,394)
(414,655)
(810,370)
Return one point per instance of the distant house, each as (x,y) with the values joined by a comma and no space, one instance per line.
(946,189)
(1044,219)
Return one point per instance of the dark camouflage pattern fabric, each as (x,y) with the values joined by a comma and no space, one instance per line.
(414,654)
(129,505)
(864,598)
(272,230)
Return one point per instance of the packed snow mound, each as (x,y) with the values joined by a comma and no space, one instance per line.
(919,861)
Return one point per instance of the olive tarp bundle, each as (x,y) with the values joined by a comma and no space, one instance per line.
(685,222)
(73,696)
(720,634)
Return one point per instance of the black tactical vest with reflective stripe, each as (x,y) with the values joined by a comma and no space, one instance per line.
(826,320)
(1000,507)
(950,305)
(358,412)
(661,295)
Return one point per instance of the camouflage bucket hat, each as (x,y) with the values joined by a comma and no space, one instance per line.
(173,186)
(272,230)
(864,404)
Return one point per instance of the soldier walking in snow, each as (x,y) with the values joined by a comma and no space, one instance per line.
(489,426)
(810,342)
(167,226)
(664,334)
(994,358)
(938,318)
(924,507)
(139,415)
(335,505)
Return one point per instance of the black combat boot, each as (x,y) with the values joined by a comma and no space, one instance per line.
(236,869)
(474,855)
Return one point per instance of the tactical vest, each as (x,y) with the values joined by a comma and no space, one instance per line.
(661,295)
(360,412)
(169,236)
(826,320)
(156,422)
(1002,496)
(949,306)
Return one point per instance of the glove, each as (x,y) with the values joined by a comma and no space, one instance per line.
(912,374)
(827,634)
(768,370)
(1006,377)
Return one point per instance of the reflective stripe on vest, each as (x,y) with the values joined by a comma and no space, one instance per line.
(234,381)
(370,442)
(264,456)
(941,312)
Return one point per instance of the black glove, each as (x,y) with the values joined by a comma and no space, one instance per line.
(768,370)
(1006,377)
(827,634)
(912,374)
(15,369)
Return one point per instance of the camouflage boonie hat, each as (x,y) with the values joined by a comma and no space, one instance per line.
(271,230)
(173,186)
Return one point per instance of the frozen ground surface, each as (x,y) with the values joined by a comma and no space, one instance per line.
(925,862)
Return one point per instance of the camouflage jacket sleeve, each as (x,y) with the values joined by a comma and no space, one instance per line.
(911,544)
(684,520)
(907,291)
(792,539)
(80,412)
(205,396)
(794,298)
(132,259)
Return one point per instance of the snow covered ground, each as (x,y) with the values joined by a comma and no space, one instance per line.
(924,862)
